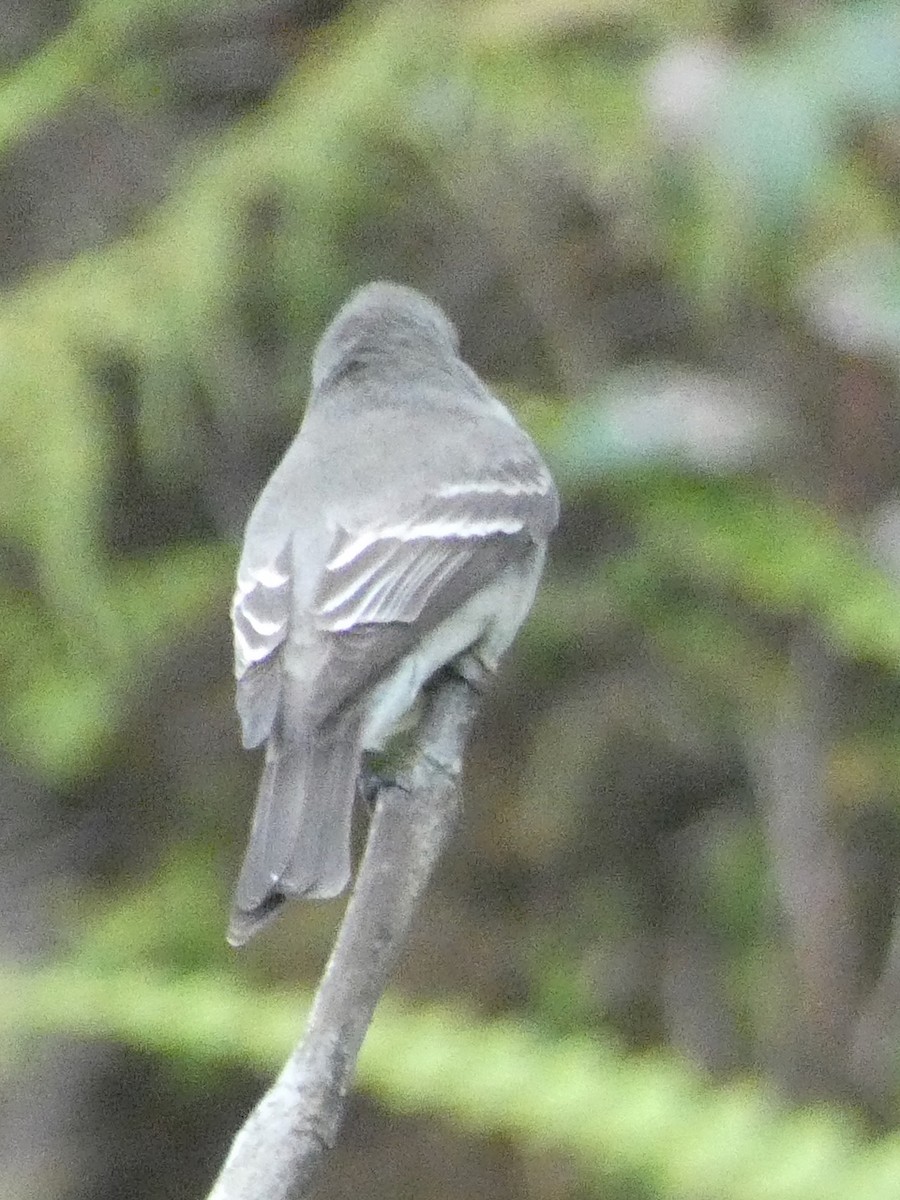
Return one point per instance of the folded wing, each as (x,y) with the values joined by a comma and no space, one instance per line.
(379,582)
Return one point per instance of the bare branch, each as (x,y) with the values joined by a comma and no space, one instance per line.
(278,1152)
(788,758)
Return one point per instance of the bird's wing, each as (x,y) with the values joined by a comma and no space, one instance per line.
(380,579)
(260,618)
(389,572)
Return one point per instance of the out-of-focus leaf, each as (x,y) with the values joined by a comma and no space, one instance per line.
(617,1115)
(851,57)
(651,417)
(75,59)
(503,22)
(772,144)
(68,702)
(782,554)
(683,87)
(853,299)
(173,921)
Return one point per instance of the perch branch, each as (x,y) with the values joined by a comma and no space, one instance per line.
(280,1149)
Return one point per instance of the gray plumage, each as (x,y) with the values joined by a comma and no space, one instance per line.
(404,530)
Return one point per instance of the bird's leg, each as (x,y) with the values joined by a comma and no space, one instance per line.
(469,667)
(370,781)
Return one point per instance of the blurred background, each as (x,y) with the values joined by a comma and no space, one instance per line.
(663,956)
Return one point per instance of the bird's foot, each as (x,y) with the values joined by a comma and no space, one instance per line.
(370,782)
(470,669)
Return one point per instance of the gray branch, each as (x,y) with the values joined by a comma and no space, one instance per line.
(788,759)
(278,1152)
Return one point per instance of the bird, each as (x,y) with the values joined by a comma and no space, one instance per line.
(403,533)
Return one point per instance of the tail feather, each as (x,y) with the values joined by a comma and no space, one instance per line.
(300,840)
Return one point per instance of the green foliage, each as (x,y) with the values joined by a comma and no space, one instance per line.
(76,59)
(764,201)
(163,300)
(173,922)
(780,554)
(617,1115)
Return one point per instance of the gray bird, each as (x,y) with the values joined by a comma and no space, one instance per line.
(403,531)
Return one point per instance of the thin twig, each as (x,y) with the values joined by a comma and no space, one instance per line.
(281,1147)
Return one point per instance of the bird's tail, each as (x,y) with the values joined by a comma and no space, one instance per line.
(300,840)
